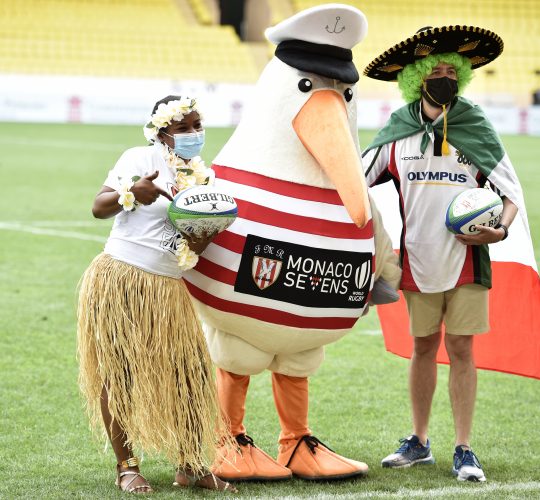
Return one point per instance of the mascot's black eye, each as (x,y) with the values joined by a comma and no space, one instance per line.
(305,85)
(348,94)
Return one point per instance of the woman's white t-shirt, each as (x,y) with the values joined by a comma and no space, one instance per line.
(145,237)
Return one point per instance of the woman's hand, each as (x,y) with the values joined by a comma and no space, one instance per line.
(146,192)
(198,243)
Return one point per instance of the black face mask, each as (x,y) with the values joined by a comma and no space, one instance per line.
(439,91)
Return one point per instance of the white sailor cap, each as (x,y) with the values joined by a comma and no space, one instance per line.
(319,40)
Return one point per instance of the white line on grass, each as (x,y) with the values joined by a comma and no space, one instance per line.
(78,145)
(447,491)
(61,223)
(9,226)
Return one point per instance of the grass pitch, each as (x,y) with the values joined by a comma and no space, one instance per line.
(50,174)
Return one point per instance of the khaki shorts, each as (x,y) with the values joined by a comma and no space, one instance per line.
(464,311)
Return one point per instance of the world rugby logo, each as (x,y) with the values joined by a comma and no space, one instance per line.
(362,275)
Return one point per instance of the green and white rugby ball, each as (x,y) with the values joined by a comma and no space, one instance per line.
(471,208)
(202,209)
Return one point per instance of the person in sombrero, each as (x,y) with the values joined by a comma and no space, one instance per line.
(435,147)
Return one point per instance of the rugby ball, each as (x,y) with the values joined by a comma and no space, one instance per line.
(202,209)
(473,207)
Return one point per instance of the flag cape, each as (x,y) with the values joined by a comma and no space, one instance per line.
(513,342)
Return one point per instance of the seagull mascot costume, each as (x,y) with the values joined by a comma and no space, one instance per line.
(295,270)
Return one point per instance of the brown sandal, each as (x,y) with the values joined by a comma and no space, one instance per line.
(132,462)
(192,480)
(135,489)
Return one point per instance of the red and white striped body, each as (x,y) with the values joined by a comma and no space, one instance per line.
(283,278)
(292,272)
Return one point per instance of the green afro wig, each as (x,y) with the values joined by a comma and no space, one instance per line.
(411,78)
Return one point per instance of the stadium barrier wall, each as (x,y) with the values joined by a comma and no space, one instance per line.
(64,99)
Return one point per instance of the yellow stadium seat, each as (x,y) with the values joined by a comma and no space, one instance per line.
(135,38)
(153,38)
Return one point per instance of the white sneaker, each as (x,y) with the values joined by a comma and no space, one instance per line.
(466,466)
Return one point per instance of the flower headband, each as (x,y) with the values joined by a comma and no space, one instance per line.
(167,113)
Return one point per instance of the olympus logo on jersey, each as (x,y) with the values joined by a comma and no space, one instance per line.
(437,177)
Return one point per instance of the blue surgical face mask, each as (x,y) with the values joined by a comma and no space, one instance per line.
(189,145)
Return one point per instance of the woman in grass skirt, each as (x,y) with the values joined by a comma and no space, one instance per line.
(144,366)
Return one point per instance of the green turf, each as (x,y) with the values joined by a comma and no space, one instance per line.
(50,174)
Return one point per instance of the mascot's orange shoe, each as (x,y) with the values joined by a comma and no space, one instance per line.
(309,458)
(248,463)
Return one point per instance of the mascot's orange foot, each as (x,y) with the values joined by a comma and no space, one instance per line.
(311,459)
(248,463)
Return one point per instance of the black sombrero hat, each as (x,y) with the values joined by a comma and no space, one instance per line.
(481,46)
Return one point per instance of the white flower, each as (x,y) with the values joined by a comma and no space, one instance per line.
(200,171)
(127,200)
(197,163)
(125,186)
(173,161)
(150,132)
(200,176)
(161,122)
(187,103)
(166,113)
(187,258)
(184,181)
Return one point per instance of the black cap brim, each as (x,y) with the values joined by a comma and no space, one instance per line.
(325,60)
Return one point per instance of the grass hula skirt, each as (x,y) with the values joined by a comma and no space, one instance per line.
(139,335)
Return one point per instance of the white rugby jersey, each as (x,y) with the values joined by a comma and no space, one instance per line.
(292,258)
(433,260)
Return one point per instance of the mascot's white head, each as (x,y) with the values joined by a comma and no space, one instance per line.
(301,125)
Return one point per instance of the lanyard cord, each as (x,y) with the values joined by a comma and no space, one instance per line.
(445,150)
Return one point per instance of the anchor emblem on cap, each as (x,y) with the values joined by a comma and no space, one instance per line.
(335,27)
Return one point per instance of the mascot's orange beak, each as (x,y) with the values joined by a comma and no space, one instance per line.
(323,127)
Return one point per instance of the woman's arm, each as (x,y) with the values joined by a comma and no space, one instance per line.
(145,191)
(106,203)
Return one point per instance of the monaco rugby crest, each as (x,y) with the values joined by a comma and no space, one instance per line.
(265,271)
